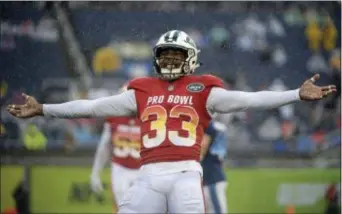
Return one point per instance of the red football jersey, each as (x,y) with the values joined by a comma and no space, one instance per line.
(173,116)
(126,141)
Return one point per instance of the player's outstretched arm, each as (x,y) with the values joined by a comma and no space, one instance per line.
(223,101)
(102,155)
(123,104)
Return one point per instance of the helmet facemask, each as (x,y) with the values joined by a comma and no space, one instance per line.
(175,55)
(173,62)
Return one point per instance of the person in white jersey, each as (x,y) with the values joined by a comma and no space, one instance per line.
(120,141)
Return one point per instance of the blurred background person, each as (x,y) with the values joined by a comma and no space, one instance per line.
(214,149)
(120,139)
(332,199)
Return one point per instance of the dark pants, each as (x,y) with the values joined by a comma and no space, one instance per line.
(21,197)
(333,209)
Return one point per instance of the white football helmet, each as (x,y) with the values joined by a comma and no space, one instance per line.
(178,40)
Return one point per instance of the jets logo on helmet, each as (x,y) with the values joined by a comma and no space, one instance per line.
(171,36)
(179,41)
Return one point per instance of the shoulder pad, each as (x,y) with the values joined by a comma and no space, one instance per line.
(140,84)
(212,81)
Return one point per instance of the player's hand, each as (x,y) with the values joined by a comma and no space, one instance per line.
(95,183)
(309,91)
(31,108)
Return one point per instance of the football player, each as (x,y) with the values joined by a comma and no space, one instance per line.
(120,139)
(174,110)
(214,149)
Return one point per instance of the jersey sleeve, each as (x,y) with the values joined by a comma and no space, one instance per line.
(223,101)
(123,104)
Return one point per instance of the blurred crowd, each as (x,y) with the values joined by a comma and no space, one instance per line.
(268,46)
(196,6)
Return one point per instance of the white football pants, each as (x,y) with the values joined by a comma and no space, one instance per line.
(122,180)
(173,193)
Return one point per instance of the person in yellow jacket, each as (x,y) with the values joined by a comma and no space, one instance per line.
(33,138)
(314,35)
(329,35)
(106,60)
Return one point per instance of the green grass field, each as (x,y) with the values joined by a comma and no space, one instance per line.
(66,190)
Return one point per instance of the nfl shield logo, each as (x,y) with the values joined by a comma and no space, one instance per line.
(170,88)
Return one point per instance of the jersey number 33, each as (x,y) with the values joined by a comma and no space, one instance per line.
(158,125)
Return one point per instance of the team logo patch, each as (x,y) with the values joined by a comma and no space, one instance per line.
(195,87)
